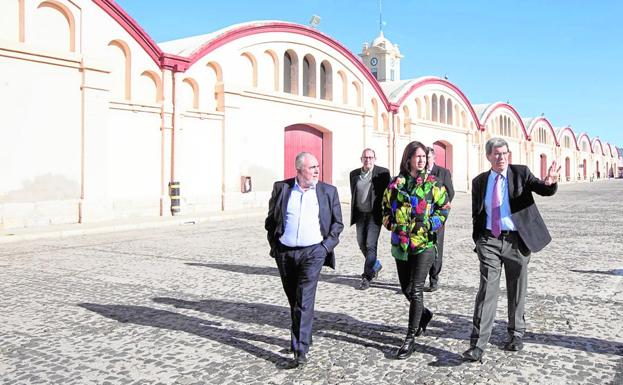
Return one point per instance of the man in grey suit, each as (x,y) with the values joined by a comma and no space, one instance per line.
(303,226)
(507,227)
(444,176)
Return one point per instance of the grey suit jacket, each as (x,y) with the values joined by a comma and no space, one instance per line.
(329,216)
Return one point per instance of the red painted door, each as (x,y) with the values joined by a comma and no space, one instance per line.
(440,154)
(584,168)
(568,168)
(443,155)
(298,138)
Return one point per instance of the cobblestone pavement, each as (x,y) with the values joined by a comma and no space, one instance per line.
(203,303)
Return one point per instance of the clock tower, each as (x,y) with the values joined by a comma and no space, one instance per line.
(382,59)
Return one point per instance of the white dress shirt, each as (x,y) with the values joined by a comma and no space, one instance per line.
(302,225)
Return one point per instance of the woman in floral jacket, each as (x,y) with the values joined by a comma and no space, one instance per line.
(415,206)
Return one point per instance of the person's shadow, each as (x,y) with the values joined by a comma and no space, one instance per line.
(326,324)
(146,316)
(339,279)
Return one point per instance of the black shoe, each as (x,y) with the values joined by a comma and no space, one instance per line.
(407,348)
(473,354)
(514,344)
(365,284)
(427,315)
(300,359)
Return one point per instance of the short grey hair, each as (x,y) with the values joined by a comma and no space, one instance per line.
(300,159)
(368,149)
(430,150)
(495,143)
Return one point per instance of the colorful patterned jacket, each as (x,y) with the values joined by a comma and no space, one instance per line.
(413,210)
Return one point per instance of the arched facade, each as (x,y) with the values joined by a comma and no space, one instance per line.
(120,117)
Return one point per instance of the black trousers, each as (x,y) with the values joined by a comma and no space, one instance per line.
(299,269)
(412,274)
(435,269)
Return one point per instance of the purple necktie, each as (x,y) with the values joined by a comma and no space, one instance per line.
(496,223)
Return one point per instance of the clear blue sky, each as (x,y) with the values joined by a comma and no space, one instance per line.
(563,58)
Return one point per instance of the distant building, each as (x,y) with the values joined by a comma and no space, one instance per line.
(98,120)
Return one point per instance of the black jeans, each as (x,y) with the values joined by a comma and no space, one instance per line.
(367,239)
(412,274)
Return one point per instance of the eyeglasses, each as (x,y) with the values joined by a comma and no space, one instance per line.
(367,157)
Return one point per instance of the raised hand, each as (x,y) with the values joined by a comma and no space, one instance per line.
(552,173)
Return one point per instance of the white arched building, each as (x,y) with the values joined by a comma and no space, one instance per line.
(99,120)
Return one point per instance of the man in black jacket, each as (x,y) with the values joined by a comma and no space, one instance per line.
(445,177)
(367,185)
(303,226)
(507,227)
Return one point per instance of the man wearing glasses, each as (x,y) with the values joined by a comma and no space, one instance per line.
(367,185)
(507,227)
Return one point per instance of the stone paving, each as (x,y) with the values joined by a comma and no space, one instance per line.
(202,304)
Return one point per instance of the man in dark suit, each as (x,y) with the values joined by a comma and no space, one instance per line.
(303,226)
(367,185)
(507,227)
(445,177)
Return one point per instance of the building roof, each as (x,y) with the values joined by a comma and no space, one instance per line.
(188,45)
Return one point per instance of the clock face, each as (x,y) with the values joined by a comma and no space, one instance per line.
(374,61)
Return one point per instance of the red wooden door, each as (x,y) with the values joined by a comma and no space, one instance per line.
(568,168)
(584,167)
(298,138)
(443,155)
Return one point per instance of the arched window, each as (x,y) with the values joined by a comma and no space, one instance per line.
(449,116)
(54,26)
(273,78)
(375,115)
(248,70)
(309,76)
(121,73)
(215,84)
(385,122)
(357,92)
(326,81)
(442,109)
(427,107)
(290,72)
(150,87)
(435,116)
(344,84)
(418,107)
(407,120)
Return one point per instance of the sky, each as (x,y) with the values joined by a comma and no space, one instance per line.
(560,58)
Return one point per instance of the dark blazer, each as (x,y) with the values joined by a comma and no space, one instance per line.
(380,180)
(526,217)
(330,216)
(445,177)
